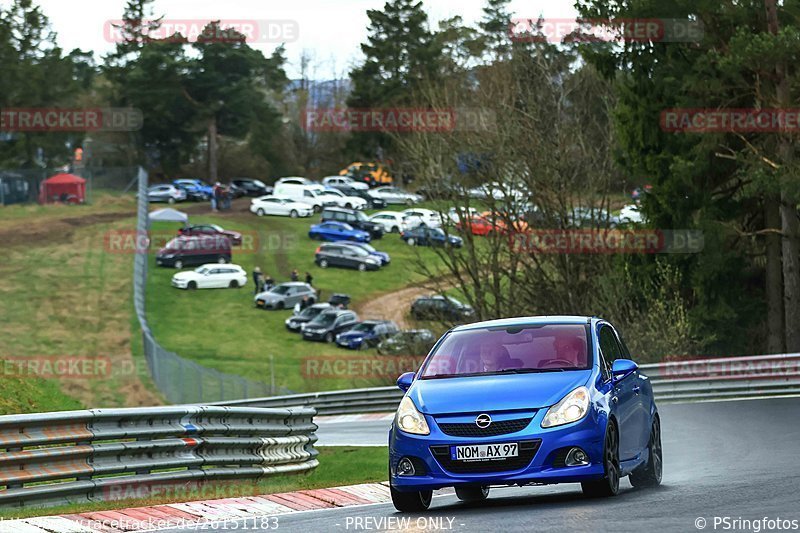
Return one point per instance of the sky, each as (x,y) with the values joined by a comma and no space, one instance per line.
(330,31)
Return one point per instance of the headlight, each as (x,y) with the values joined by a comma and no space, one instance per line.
(410,420)
(572,407)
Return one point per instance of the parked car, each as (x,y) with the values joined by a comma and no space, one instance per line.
(296,180)
(285,295)
(425,236)
(500,191)
(307,194)
(342,200)
(373,202)
(394,221)
(384,258)
(298,321)
(188,250)
(328,324)
(408,342)
(211,276)
(427,216)
(442,189)
(344,182)
(346,256)
(212,229)
(337,231)
(455,215)
(370,173)
(629,214)
(477,225)
(249,187)
(366,334)
(281,206)
(354,218)
(524,401)
(439,307)
(165,193)
(395,195)
(196,190)
(342,301)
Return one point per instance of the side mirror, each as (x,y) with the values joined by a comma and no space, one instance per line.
(405,380)
(621,368)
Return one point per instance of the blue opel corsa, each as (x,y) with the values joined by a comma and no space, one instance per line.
(519,401)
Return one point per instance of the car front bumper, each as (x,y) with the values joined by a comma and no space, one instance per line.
(587,434)
(313,335)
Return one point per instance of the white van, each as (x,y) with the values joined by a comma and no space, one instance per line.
(307,194)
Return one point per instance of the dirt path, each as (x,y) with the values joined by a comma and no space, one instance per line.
(392,305)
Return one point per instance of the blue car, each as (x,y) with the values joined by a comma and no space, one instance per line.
(428,236)
(535,400)
(195,189)
(337,231)
(366,334)
(384,258)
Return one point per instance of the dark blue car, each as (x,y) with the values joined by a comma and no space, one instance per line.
(427,236)
(337,231)
(366,334)
(195,189)
(383,256)
(536,400)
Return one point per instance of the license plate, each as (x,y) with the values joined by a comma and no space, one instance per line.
(260,303)
(484,452)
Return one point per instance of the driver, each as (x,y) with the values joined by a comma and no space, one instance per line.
(568,349)
(494,357)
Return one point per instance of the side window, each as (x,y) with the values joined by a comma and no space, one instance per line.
(609,348)
(626,353)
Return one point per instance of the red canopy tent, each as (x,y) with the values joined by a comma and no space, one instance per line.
(65,188)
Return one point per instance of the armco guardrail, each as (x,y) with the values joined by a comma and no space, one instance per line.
(689,380)
(106,454)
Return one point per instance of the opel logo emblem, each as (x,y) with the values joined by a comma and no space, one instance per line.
(483,421)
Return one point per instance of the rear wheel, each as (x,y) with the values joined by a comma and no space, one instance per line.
(348,205)
(609,485)
(323,263)
(260,212)
(649,474)
(233,284)
(411,502)
(279,305)
(472,494)
(362,267)
(171,201)
(395,229)
(179,264)
(411,241)
(293,214)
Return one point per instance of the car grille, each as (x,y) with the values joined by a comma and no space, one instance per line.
(527,450)
(470,429)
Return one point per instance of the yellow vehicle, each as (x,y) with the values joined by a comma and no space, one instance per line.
(372,174)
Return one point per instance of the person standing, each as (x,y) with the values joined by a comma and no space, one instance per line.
(268,282)
(295,275)
(257,279)
(309,279)
(214,197)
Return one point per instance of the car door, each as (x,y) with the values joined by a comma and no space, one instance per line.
(623,400)
(344,322)
(215,278)
(642,409)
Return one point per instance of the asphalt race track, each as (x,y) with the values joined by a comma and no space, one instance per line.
(736,459)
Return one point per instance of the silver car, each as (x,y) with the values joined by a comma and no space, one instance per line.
(285,295)
(395,195)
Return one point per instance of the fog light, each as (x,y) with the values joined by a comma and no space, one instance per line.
(405,467)
(576,457)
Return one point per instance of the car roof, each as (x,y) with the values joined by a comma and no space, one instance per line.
(223,265)
(528,321)
(293,284)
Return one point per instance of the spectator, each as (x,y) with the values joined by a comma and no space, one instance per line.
(257,279)
(214,197)
(268,282)
(295,275)
(218,193)
(227,193)
(305,303)
(309,279)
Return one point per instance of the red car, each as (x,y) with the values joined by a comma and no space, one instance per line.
(477,226)
(212,229)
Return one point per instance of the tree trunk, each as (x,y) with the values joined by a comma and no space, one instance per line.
(775,326)
(212,150)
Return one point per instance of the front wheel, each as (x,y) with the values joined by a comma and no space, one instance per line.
(178,264)
(395,229)
(609,485)
(233,284)
(649,474)
(472,494)
(329,337)
(293,214)
(323,263)
(260,212)
(411,502)
(362,267)
(411,241)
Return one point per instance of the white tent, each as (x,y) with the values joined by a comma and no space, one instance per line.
(168,215)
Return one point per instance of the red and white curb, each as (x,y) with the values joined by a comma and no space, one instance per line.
(194,513)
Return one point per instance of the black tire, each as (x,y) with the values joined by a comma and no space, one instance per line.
(329,337)
(411,502)
(233,284)
(649,474)
(192,285)
(609,484)
(323,263)
(260,212)
(293,214)
(348,205)
(411,241)
(409,202)
(279,306)
(317,209)
(395,229)
(472,494)
(171,201)
(178,264)
(362,267)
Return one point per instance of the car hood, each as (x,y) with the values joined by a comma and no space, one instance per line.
(352,335)
(269,296)
(494,393)
(189,274)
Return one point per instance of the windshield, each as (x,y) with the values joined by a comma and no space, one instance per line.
(201,270)
(364,328)
(323,319)
(280,289)
(547,348)
(310,312)
(259,183)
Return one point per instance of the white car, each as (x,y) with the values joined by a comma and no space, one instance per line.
(342,200)
(281,206)
(296,180)
(499,191)
(455,218)
(211,276)
(394,221)
(630,213)
(395,195)
(344,182)
(427,216)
